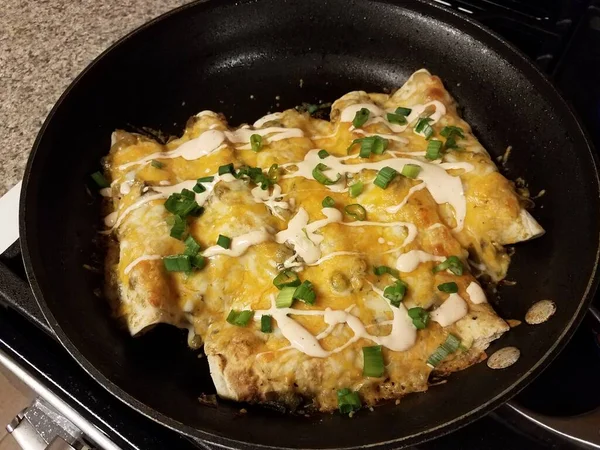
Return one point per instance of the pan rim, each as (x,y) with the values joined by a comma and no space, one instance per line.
(525,66)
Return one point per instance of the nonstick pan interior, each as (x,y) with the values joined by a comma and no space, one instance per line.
(237,58)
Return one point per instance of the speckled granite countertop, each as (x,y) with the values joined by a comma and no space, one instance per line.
(44,44)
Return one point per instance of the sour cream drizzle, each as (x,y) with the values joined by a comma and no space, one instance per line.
(402,336)
(451,311)
(407,262)
(444,188)
(302,235)
(476,294)
(273,200)
(239,244)
(411,191)
(136,261)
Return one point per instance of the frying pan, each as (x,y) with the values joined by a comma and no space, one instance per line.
(237,57)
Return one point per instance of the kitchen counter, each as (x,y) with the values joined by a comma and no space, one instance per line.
(44,44)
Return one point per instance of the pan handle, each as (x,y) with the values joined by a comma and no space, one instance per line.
(582,430)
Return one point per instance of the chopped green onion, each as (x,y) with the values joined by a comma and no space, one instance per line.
(285,298)
(356,189)
(198,261)
(358,212)
(370,144)
(450,143)
(191,246)
(286,278)
(449,346)
(380,270)
(328,202)
(318,175)
(452,130)
(398,119)
(373,365)
(449,288)
(224,241)
(178,227)
(206,179)
(99,179)
(273,173)
(403,111)
(256,175)
(323,154)
(239,318)
(227,168)
(384,177)
(410,171)
(256,142)
(199,188)
(177,263)
(266,324)
(452,263)
(348,401)
(306,293)
(434,149)
(183,204)
(424,128)
(361,117)
(157,164)
(395,292)
(419,316)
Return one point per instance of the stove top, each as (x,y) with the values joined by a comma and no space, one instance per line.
(563,37)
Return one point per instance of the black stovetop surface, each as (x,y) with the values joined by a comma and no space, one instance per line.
(563,37)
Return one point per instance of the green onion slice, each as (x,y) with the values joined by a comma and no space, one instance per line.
(227,168)
(395,292)
(224,241)
(449,346)
(256,142)
(397,119)
(273,173)
(99,179)
(361,117)
(191,246)
(348,401)
(370,144)
(239,318)
(286,278)
(452,263)
(177,263)
(356,211)
(356,189)
(285,298)
(452,130)
(266,324)
(411,171)
(328,202)
(198,261)
(256,175)
(384,177)
(156,163)
(381,270)
(449,288)
(182,204)
(403,111)
(323,154)
(206,179)
(434,149)
(318,175)
(373,362)
(306,293)
(178,228)
(423,127)
(419,316)
(199,188)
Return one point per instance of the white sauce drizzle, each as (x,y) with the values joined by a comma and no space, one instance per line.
(390,137)
(334,255)
(411,191)
(402,336)
(136,261)
(444,188)
(260,122)
(239,244)
(476,294)
(273,134)
(408,262)
(451,311)
(272,200)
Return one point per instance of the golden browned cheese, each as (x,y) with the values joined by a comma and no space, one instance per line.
(249,365)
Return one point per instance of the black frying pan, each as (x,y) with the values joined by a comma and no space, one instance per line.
(215,55)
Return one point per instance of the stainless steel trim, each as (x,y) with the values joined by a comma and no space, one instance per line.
(99,439)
